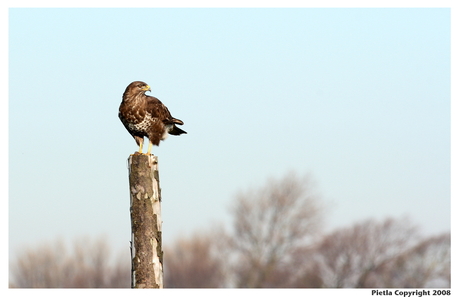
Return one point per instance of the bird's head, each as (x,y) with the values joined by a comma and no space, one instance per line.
(141,86)
(134,89)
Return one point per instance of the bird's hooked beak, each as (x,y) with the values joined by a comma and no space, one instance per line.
(146,88)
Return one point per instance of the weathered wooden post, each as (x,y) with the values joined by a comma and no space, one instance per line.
(146,251)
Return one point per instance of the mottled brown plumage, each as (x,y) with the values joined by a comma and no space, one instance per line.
(145,116)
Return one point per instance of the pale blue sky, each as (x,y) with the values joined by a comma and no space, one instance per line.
(359,98)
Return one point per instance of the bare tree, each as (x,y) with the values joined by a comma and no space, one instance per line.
(269,224)
(348,257)
(43,267)
(195,262)
(119,275)
(424,266)
(52,266)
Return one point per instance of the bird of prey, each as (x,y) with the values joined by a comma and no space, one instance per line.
(145,116)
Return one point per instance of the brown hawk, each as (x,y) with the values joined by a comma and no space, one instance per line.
(145,116)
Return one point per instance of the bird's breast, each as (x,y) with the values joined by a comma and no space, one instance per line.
(142,124)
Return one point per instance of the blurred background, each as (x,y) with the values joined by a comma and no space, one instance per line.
(318,141)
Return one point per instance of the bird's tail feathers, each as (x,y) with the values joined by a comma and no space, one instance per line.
(176,131)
